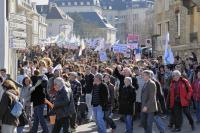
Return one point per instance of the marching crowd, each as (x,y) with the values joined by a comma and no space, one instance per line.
(74,90)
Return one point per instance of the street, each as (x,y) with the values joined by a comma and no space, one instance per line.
(91,128)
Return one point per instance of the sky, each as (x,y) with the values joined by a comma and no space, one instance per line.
(40,2)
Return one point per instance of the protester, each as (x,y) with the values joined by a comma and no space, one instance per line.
(38,97)
(8,121)
(89,78)
(180,96)
(63,106)
(149,104)
(127,97)
(196,95)
(99,102)
(1,88)
(108,113)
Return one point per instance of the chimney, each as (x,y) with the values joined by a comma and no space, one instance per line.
(34,6)
(52,4)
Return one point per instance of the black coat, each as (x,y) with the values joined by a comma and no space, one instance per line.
(127,97)
(39,94)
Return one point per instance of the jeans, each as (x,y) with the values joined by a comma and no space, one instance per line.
(20,129)
(129,123)
(159,123)
(147,121)
(39,118)
(88,99)
(61,123)
(99,115)
(197,104)
(109,120)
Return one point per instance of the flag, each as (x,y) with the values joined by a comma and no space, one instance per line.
(101,45)
(168,55)
(82,47)
(138,54)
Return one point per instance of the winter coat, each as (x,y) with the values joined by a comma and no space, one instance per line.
(185,91)
(127,97)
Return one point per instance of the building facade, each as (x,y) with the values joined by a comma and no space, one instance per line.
(20,24)
(128,17)
(57,21)
(85,8)
(183,24)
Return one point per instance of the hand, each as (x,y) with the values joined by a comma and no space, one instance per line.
(144,109)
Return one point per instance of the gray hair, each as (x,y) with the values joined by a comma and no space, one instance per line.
(59,82)
(176,73)
(99,76)
(129,79)
(152,74)
(147,72)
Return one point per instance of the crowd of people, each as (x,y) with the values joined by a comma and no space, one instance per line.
(57,82)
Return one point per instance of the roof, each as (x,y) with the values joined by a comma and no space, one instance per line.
(52,12)
(42,9)
(125,4)
(97,19)
(76,2)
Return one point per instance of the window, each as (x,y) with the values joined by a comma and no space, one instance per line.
(63,3)
(178,23)
(88,3)
(166,5)
(75,3)
(50,24)
(167,26)
(110,7)
(82,3)
(159,29)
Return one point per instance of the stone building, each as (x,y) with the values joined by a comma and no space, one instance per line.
(20,26)
(58,22)
(90,10)
(182,21)
(128,17)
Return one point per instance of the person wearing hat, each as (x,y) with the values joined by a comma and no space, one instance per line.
(77,92)
(180,96)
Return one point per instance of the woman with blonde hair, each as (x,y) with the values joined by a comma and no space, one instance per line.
(43,66)
(9,122)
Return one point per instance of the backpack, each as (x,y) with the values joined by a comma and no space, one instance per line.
(17,107)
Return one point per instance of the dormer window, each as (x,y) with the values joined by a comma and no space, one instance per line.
(82,3)
(75,3)
(63,3)
(88,3)
(69,4)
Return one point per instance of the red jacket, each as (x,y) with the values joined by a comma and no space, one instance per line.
(185,93)
(196,90)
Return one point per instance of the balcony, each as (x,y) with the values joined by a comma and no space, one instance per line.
(24,5)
